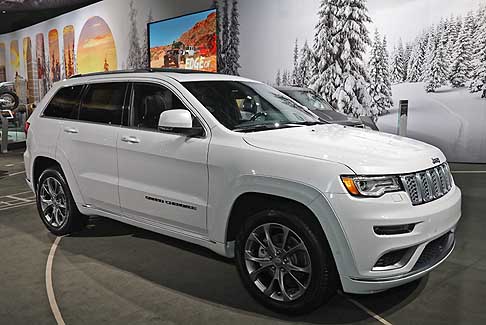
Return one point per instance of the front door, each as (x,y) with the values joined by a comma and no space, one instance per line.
(163,177)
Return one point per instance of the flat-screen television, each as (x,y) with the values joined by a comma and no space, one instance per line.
(185,42)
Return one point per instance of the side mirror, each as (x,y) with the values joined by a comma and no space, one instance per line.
(179,121)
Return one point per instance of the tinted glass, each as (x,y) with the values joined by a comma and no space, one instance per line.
(149,102)
(103,103)
(317,104)
(239,105)
(65,103)
(309,99)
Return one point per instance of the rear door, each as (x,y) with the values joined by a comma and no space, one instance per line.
(163,176)
(62,107)
(89,143)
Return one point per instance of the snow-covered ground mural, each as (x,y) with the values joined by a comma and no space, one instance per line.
(364,57)
(452,119)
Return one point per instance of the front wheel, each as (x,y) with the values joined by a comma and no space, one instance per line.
(284,263)
(56,205)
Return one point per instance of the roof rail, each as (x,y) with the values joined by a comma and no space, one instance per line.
(177,70)
(102,73)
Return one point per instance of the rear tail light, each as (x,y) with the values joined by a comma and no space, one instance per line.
(26,127)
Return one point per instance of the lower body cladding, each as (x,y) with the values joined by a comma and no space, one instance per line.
(391,241)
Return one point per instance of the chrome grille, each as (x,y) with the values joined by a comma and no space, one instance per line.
(428,185)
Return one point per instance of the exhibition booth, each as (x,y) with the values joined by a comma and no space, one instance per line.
(249,161)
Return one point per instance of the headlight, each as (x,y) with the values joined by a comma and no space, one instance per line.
(371,186)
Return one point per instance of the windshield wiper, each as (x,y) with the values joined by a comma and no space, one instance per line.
(306,123)
(264,127)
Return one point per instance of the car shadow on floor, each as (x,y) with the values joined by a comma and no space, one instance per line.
(200,273)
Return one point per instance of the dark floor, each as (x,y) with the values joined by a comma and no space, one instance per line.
(113,273)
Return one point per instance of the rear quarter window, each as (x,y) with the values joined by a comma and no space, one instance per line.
(65,103)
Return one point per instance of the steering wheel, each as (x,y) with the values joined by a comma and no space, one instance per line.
(257,115)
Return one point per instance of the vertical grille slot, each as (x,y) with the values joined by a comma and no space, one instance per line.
(429,185)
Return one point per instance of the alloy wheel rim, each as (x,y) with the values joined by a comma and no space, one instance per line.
(278,262)
(53,202)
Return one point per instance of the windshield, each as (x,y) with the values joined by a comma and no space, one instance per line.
(249,106)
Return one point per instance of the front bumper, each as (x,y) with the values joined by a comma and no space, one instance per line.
(424,265)
(358,216)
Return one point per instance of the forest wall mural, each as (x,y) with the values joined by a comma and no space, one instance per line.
(361,56)
(96,47)
(68,50)
(364,57)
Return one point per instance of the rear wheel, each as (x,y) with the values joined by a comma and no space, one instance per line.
(284,264)
(56,205)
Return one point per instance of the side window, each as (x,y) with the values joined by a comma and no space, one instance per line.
(65,103)
(103,103)
(149,101)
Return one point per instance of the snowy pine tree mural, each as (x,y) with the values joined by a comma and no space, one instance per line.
(478,73)
(417,59)
(386,68)
(306,66)
(232,54)
(225,26)
(295,70)
(145,61)
(398,64)
(228,42)
(219,42)
(461,59)
(278,79)
(454,27)
(285,78)
(436,64)
(340,43)
(440,51)
(134,51)
(379,89)
(407,53)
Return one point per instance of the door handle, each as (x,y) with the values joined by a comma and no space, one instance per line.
(130,139)
(70,130)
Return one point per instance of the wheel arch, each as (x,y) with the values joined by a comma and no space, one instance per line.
(42,162)
(299,197)
(250,203)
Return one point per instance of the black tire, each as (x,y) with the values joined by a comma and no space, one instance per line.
(324,279)
(13,97)
(74,220)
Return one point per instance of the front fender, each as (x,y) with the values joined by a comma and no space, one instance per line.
(305,194)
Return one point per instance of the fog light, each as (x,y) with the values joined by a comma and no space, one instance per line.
(394,259)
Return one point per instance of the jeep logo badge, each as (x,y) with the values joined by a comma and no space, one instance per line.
(435,160)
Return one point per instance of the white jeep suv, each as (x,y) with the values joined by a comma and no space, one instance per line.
(236,166)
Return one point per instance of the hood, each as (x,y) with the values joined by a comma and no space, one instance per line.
(366,152)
